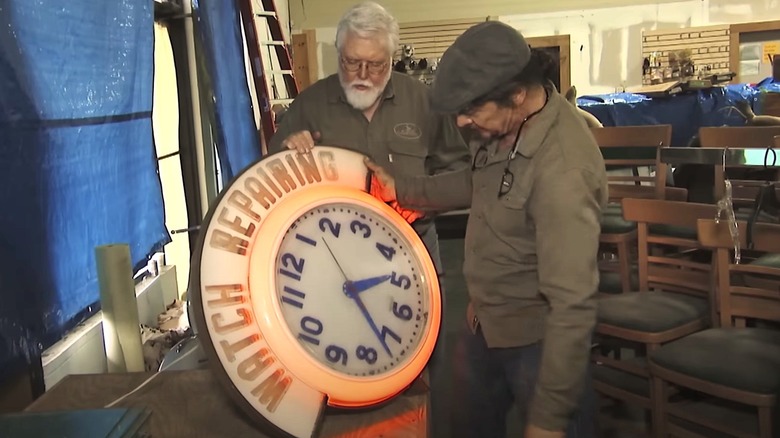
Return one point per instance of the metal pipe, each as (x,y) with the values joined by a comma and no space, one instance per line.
(200,155)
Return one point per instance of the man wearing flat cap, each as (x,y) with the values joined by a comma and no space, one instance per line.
(536,188)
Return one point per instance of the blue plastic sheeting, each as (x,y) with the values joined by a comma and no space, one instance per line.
(686,113)
(219,32)
(77,161)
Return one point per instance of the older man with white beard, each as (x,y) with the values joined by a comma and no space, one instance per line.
(369,108)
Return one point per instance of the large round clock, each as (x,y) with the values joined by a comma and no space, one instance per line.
(308,292)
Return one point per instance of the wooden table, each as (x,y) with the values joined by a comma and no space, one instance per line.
(192,404)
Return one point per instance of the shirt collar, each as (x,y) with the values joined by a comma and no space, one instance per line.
(533,136)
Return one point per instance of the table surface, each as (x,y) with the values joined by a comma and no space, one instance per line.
(192,403)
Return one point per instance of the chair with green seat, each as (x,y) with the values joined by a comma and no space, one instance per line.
(627,152)
(717,373)
(673,300)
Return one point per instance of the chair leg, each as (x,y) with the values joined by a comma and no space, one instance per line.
(624,265)
(765,422)
(658,395)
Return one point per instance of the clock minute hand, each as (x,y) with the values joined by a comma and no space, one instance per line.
(335,260)
(362,285)
(350,293)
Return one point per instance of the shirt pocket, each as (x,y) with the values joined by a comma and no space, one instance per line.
(407,157)
(509,216)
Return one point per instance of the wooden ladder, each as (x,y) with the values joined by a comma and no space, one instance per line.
(270,61)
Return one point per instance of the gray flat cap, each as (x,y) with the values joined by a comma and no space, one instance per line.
(483,57)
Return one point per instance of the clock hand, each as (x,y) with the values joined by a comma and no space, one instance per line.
(363,285)
(335,259)
(352,294)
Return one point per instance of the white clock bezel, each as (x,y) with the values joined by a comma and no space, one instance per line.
(342,390)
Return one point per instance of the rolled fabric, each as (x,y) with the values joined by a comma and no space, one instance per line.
(121,332)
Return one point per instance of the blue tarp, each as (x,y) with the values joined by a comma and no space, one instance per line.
(77,162)
(218,28)
(686,113)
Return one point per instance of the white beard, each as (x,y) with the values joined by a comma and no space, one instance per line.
(363,99)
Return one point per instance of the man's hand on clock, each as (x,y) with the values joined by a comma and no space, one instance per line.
(383,188)
(359,286)
(382,183)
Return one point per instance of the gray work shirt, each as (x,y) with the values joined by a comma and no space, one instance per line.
(531,255)
(404,135)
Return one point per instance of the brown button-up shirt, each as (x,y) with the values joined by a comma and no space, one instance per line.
(530,255)
(404,135)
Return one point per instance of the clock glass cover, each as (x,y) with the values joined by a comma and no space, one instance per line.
(351,289)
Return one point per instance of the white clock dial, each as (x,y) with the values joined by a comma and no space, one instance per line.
(351,290)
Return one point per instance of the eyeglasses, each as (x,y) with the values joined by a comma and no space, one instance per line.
(355,65)
(508,178)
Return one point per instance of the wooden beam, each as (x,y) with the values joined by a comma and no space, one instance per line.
(304,58)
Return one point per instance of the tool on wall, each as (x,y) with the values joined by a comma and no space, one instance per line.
(270,60)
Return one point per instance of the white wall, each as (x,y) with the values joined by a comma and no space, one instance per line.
(606,43)
(311,14)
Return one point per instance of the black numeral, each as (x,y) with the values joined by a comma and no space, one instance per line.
(387,332)
(305,239)
(292,301)
(312,327)
(403,311)
(336,354)
(367,354)
(297,264)
(335,229)
(401,281)
(356,226)
(386,251)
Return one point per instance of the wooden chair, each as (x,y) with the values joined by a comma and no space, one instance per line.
(733,366)
(629,147)
(673,300)
(760,137)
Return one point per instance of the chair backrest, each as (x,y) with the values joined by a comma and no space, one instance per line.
(620,191)
(747,290)
(671,226)
(738,136)
(759,137)
(635,147)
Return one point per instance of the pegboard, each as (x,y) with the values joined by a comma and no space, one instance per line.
(429,40)
(709,46)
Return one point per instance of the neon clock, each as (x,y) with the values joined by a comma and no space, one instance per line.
(310,293)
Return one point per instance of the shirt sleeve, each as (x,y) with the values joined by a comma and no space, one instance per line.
(442,192)
(566,210)
(448,150)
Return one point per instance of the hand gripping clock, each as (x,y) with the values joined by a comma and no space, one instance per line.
(308,292)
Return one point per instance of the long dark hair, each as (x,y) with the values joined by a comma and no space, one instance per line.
(542,68)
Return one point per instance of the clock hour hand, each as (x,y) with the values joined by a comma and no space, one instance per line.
(364,311)
(362,285)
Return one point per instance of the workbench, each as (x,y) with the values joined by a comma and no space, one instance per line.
(192,403)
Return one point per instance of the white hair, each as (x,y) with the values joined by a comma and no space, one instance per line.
(369,20)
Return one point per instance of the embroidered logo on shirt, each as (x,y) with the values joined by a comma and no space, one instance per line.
(408,131)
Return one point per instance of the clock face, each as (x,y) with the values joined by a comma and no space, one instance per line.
(351,289)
